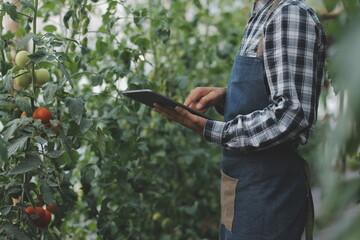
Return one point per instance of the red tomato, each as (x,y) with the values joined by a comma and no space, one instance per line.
(43,114)
(45,220)
(23,115)
(51,208)
(38,211)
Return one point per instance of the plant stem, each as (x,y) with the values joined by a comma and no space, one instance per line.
(34,50)
(1,29)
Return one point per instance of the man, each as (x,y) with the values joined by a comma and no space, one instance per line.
(269,107)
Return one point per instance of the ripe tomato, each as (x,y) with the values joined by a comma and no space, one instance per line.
(43,114)
(45,220)
(23,115)
(51,208)
(38,211)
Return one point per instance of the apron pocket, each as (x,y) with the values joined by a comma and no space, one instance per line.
(228,192)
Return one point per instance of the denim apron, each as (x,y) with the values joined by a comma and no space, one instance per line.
(264,194)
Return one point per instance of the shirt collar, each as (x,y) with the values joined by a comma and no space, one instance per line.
(260,5)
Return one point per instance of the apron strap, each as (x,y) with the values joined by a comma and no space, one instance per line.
(260,49)
(309,225)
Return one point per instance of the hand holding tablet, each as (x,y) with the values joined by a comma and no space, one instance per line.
(149,97)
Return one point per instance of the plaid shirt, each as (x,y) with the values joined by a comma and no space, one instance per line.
(294,56)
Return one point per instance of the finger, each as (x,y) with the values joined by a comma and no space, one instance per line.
(167,112)
(195,95)
(207,100)
(185,114)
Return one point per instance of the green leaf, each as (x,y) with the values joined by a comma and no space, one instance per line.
(96,79)
(24,40)
(56,44)
(330,4)
(67,17)
(47,193)
(10,9)
(8,82)
(11,128)
(50,28)
(3,151)
(76,107)
(140,16)
(7,36)
(5,211)
(55,153)
(39,56)
(49,92)
(67,77)
(142,43)
(15,231)
(4,66)
(197,4)
(101,142)
(87,177)
(85,124)
(27,4)
(26,165)
(23,104)
(17,144)
(40,140)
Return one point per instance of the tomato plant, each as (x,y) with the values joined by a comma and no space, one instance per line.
(70,142)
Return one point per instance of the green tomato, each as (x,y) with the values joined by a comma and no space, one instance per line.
(21,58)
(24,79)
(75,24)
(156,216)
(42,76)
(165,223)
(84,30)
(72,47)
(84,41)
(85,22)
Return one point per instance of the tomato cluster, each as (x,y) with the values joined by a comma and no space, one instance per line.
(43,215)
(24,76)
(45,116)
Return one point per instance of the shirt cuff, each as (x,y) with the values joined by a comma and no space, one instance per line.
(213,131)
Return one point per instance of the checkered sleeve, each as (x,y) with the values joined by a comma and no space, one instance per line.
(291,46)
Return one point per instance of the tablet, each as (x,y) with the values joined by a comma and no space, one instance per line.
(149,97)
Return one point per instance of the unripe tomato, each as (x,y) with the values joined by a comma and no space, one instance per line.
(51,208)
(21,58)
(84,41)
(156,216)
(85,22)
(43,114)
(24,79)
(45,220)
(84,30)
(75,24)
(165,223)
(16,87)
(38,211)
(42,76)
(72,47)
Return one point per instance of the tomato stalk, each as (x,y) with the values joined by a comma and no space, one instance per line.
(36,3)
(1,28)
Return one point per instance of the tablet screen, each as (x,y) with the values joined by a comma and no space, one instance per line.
(149,97)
